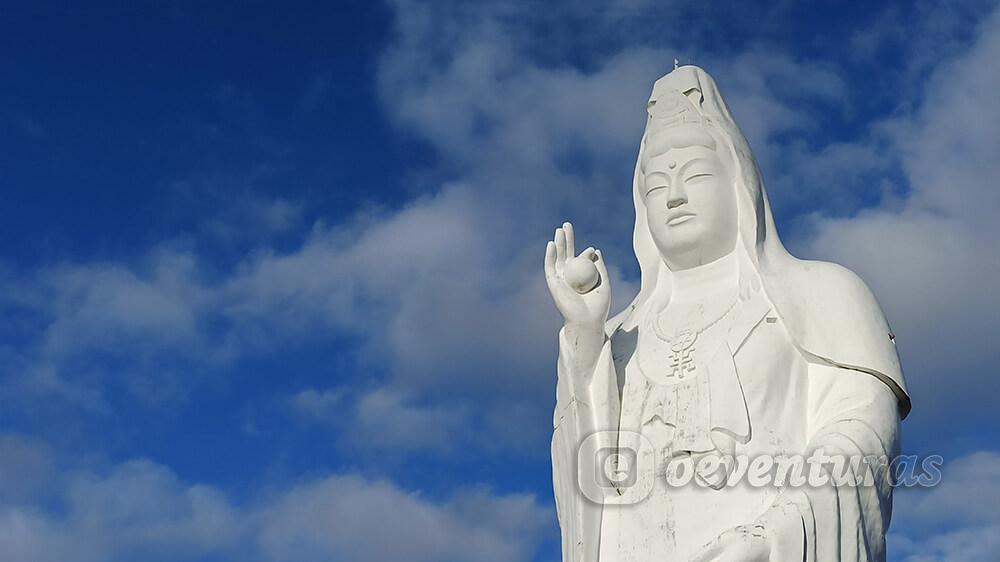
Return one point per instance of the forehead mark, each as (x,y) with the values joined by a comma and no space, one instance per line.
(655,164)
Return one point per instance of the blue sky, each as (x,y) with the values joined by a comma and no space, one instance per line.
(272,275)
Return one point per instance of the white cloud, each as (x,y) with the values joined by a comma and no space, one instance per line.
(26,467)
(954,521)
(88,315)
(139,510)
(924,32)
(351,518)
(931,257)
(445,292)
(383,419)
(318,406)
(110,308)
(981,543)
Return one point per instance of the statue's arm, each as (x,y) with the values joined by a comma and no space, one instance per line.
(587,390)
(853,419)
(586,404)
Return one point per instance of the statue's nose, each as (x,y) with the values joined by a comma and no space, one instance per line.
(678,195)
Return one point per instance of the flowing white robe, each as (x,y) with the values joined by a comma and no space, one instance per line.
(794,407)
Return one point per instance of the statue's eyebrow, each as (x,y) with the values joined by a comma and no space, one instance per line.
(685,166)
(658,173)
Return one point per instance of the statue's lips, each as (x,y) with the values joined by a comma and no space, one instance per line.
(680,218)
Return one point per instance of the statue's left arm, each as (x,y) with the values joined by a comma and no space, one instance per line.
(856,398)
(838,515)
(854,421)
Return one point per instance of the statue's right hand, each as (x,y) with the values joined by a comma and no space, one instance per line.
(589,310)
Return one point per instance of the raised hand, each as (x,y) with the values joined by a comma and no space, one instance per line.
(581,309)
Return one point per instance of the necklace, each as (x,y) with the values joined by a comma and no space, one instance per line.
(683,340)
(686,325)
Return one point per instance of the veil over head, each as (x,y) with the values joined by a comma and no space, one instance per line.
(831,314)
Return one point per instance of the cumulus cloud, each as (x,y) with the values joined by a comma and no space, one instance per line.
(317,406)
(26,467)
(382,419)
(923,33)
(350,518)
(142,510)
(954,521)
(444,293)
(136,510)
(86,317)
(930,256)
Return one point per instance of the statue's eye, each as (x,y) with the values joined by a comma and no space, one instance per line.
(698,177)
(656,181)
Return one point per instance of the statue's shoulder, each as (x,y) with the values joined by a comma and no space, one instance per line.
(835,318)
(831,291)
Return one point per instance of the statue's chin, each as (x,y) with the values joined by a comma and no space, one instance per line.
(680,254)
(691,256)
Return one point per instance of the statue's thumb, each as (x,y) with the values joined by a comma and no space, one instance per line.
(601,267)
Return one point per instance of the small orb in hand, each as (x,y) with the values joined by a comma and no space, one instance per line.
(581,274)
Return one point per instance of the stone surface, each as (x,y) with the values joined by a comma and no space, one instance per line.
(680,421)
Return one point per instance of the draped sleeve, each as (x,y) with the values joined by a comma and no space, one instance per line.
(586,404)
(854,425)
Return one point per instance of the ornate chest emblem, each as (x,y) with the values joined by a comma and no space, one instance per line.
(681,349)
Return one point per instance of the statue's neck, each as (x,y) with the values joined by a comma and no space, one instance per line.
(708,281)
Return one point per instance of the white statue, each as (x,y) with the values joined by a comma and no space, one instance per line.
(733,349)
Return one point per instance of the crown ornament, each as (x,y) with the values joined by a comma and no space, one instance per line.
(673,109)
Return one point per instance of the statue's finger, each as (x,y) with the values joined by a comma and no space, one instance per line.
(570,240)
(560,246)
(602,268)
(550,260)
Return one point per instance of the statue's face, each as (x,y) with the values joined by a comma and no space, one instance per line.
(690,206)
